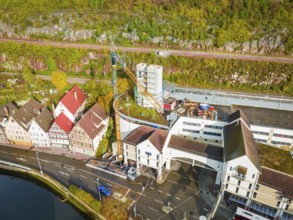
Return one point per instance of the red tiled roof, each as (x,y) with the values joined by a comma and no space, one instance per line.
(71,102)
(64,123)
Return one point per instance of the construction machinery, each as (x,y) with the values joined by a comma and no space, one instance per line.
(115,57)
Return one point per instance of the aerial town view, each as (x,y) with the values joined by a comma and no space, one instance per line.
(146,110)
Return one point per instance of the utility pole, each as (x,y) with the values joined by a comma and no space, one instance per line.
(39,163)
(99,190)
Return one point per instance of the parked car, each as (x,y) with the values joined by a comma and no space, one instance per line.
(132,174)
(104,190)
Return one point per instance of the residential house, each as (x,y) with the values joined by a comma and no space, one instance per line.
(144,146)
(89,131)
(71,104)
(59,131)
(19,123)
(5,112)
(39,128)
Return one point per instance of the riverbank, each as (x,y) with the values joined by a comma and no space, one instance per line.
(54,186)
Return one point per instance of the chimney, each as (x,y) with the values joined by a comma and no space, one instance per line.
(75,95)
(5,108)
(53,109)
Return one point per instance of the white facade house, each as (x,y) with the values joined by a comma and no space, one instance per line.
(19,123)
(151,77)
(39,128)
(5,112)
(144,147)
(59,131)
(71,104)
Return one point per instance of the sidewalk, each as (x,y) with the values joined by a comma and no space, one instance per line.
(61,152)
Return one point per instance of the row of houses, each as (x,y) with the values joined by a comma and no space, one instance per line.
(68,127)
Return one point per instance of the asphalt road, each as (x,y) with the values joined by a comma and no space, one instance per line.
(185,53)
(180,189)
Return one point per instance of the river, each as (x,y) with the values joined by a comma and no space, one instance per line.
(21,199)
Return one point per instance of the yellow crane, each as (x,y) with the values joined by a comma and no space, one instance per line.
(115,57)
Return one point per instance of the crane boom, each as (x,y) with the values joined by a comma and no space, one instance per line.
(159,108)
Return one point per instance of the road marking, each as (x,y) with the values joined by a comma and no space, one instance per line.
(69,167)
(21,159)
(83,176)
(152,187)
(85,171)
(169,194)
(153,209)
(205,209)
(13,153)
(177,198)
(159,201)
(66,174)
(4,152)
(109,184)
(160,191)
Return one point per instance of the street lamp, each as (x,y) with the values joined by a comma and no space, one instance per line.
(99,189)
(134,208)
(39,163)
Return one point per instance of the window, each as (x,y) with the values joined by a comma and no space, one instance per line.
(278,204)
(250,185)
(287,206)
(157,156)
(228,178)
(253,175)
(256,187)
(237,189)
(212,133)
(138,158)
(254,194)
(247,194)
(138,151)
(190,123)
(126,146)
(226,186)
(148,153)
(148,161)
(157,164)
(230,168)
(190,130)
(239,181)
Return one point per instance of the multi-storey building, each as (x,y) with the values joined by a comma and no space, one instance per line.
(144,146)
(5,112)
(39,128)
(89,131)
(151,77)
(19,123)
(59,131)
(71,104)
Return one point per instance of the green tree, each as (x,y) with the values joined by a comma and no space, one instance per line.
(59,80)
(28,75)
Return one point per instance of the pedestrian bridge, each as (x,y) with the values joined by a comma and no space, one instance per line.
(195,153)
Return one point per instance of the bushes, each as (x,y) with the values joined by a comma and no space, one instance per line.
(86,197)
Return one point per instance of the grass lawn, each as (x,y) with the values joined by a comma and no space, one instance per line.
(136,111)
(275,158)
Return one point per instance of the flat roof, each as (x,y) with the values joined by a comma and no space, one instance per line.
(267,117)
(275,158)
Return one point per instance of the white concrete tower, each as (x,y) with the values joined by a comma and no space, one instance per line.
(152,78)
